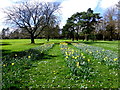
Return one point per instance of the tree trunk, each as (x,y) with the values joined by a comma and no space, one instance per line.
(110,38)
(86,37)
(73,37)
(103,38)
(32,39)
(48,37)
(77,37)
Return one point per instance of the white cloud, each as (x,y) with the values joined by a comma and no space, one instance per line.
(108,3)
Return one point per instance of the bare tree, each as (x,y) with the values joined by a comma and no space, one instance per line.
(118,7)
(32,17)
(110,17)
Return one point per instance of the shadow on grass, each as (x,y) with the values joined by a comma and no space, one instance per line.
(33,54)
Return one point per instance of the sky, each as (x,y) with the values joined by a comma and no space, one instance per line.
(68,8)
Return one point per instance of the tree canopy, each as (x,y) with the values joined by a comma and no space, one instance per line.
(82,22)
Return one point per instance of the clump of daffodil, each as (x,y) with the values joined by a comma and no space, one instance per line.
(73,57)
(29,56)
(12,64)
(88,60)
(105,58)
(90,52)
(4,65)
(66,57)
(77,64)
(83,56)
(15,54)
(115,59)
(103,50)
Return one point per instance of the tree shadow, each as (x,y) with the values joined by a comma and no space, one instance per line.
(2,44)
(33,54)
(5,52)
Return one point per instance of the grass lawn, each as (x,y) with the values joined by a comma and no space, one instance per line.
(51,70)
(108,45)
(15,45)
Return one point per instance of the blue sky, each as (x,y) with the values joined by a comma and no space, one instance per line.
(69,7)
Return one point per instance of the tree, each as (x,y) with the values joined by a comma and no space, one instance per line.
(69,28)
(82,22)
(5,33)
(32,17)
(89,22)
(110,17)
(118,16)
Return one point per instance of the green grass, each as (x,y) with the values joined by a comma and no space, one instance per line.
(108,45)
(16,45)
(24,44)
(51,71)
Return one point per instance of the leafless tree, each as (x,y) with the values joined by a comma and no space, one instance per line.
(32,16)
(110,17)
(118,7)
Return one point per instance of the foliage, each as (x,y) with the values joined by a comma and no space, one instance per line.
(81,22)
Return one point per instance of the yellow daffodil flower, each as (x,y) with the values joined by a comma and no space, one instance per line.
(13,63)
(83,56)
(88,60)
(66,57)
(4,65)
(29,56)
(115,59)
(75,57)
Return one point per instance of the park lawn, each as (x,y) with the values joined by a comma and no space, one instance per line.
(52,71)
(108,45)
(15,45)
(24,44)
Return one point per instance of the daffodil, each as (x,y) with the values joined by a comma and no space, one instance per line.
(4,65)
(90,52)
(29,56)
(115,59)
(83,56)
(103,50)
(13,63)
(88,60)
(66,57)
(15,54)
(73,57)
(77,64)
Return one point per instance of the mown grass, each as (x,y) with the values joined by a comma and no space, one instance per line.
(108,45)
(24,44)
(15,45)
(51,71)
